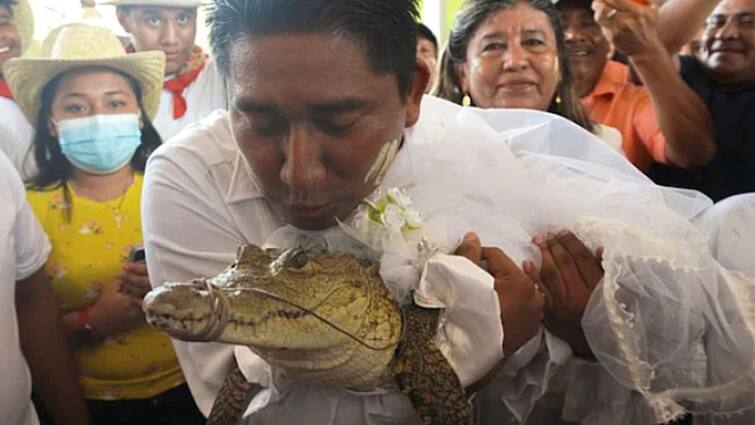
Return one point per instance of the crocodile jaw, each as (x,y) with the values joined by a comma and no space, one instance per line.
(252,320)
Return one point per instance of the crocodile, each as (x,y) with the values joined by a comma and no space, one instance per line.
(320,317)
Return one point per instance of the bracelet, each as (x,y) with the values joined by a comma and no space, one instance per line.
(84,324)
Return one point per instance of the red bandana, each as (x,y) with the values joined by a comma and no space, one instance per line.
(5,90)
(185,77)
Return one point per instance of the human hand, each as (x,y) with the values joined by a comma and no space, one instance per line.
(115,311)
(521,300)
(629,26)
(570,273)
(134,279)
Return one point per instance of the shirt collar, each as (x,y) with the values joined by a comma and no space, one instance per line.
(243,185)
(607,83)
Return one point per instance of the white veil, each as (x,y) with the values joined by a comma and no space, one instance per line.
(667,323)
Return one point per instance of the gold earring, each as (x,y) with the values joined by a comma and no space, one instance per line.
(558,100)
(466,100)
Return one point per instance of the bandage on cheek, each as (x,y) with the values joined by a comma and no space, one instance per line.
(383,160)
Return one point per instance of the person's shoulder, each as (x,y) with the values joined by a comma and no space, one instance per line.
(693,72)
(10,182)
(737,204)
(618,71)
(211,73)
(209,139)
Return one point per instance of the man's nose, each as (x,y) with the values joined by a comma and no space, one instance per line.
(729,30)
(303,167)
(572,34)
(169,35)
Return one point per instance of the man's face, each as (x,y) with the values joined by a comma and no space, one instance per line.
(169,29)
(728,45)
(311,118)
(10,39)
(586,45)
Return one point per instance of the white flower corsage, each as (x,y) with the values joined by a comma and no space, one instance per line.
(387,223)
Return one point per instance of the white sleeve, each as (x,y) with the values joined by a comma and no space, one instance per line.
(31,245)
(186,235)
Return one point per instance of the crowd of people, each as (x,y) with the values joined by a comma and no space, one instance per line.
(596,158)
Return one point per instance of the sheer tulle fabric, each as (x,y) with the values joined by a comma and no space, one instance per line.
(668,322)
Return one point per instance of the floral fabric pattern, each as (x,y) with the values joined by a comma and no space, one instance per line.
(88,252)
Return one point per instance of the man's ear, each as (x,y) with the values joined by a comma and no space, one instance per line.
(420,80)
(123,19)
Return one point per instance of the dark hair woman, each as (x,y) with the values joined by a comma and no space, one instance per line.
(510,54)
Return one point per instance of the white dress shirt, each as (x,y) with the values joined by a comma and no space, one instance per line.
(200,203)
(206,94)
(16,138)
(23,251)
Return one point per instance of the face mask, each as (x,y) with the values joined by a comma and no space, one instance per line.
(100,144)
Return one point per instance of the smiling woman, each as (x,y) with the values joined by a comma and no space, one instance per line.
(510,54)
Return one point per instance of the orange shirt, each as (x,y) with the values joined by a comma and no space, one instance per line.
(627,107)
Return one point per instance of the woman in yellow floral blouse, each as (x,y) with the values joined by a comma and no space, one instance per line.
(92,104)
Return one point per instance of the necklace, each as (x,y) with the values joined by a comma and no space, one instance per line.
(115,205)
(118,215)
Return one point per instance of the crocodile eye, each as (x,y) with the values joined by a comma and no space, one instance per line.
(298,260)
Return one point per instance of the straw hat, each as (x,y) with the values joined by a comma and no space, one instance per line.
(164,3)
(78,45)
(23,19)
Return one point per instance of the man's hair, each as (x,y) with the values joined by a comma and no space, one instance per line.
(427,34)
(387,28)
(469,19)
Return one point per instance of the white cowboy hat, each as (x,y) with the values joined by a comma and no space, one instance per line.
(163,3)
(78,45)
(23,19)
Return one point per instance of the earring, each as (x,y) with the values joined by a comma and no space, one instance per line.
(558,100)
(466,100)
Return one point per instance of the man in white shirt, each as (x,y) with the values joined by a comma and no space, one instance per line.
(16,30)
(326,108)
(193,87)
(312,149)
(31,329)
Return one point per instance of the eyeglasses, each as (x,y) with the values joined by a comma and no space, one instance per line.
(745,20)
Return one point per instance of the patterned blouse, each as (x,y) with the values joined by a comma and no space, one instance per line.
(89,250)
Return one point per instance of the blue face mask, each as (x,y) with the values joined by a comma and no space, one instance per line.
(100,144)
